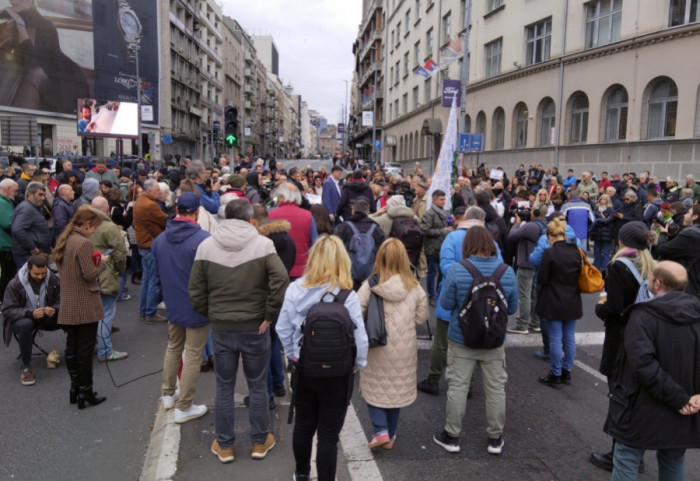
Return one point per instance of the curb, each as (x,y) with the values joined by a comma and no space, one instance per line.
(163,446)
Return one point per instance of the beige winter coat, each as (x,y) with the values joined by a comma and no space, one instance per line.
(389,380)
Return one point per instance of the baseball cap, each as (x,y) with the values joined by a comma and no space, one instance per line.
(187,203)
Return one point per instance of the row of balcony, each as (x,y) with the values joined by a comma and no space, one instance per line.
(370,13)
(371,68)
(376,35)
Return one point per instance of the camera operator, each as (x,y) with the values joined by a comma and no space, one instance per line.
(208,190)
(526,234)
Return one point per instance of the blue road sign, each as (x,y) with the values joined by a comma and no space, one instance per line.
(464,142)
(216,125)
(477,143)
(377,145)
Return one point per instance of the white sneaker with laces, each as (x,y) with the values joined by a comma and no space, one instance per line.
(195,411)
(169,401)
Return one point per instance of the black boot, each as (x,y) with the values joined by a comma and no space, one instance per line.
(87,395)
(73,373)
(602,460)
(551,380)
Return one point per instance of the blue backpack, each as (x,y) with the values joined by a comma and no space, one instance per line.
(362,252)
(643,293)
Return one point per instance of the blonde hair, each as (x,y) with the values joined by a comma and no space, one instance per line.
(392,259)
(556,228)
(642,261)
(547,200)
(328,263)
(605,197)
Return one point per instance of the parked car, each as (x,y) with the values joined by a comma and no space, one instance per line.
(393,168)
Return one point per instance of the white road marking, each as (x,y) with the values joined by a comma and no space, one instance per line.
(590,370)
(359,458)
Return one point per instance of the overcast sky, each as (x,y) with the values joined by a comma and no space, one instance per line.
(314,40)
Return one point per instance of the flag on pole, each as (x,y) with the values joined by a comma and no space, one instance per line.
(422,72)
(431,67)
(447,56)
(456,43)
(442,177)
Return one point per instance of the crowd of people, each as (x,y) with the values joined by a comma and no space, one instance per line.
(243,255)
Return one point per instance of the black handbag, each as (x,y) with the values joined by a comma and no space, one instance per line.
(374,323)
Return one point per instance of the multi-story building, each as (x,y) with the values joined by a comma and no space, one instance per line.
(370,51)
(267,52)
(305,130)
(328,141)
(604,83)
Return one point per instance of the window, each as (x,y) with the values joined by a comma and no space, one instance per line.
(405,103)
(396,109)
(579,119)
(603,22)
(415,98)
(429,43)
(494,4)
(391,74)
(428,87)
(416,54)
(392,38)
(499,129)
(662,109)
(446,27)
(462,16)
(539,39)
(493,57)
(481,124)
(616,115)
(547,122)
(682,12)
(398,34)
(405,64)
(521,116)
(398,65)
(418,6)
(467,124)
(408,20)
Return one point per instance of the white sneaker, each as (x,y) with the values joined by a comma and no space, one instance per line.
(161,306)
(169,401)
(195,411)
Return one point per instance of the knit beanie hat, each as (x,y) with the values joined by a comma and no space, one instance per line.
(236,181)
(634,234)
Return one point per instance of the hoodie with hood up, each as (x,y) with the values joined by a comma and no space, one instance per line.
(90,188)
(237,280)
(297,302)
(174,253)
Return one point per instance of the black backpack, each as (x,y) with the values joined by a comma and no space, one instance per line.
(408,231)
(483,317)
(328,344)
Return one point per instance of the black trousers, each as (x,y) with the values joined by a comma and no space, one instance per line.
(80,346)
(320,407)
(8,271)
(23,329)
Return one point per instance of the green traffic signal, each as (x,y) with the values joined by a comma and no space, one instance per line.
(231,139)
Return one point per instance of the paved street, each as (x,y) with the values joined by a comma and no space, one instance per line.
(549,434)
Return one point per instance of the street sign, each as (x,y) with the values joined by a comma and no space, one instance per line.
(217,125)
(477,143)
(341,128)
(464,142)
(377,145)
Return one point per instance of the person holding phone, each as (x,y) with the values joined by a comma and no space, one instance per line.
(109,241)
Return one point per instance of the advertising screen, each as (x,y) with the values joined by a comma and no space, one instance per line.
(54,52)
(99,118)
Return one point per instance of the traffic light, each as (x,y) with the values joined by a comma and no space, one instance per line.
(231,126)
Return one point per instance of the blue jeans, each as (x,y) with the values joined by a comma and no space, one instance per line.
(432,274)
(601,254)
(561,332)
(208,348)
(626,462)
(150,291)
(275,372)
(104,328)
(384,420)
(254,348)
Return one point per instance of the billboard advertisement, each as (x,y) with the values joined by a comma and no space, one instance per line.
(54,52)
(107,118)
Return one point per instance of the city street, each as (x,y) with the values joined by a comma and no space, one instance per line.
(549,434)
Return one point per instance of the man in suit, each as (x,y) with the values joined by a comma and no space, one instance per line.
(331,193)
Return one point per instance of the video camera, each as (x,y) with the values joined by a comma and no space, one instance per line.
(404,189)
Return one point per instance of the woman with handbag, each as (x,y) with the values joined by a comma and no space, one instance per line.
(559,302)
(393,303)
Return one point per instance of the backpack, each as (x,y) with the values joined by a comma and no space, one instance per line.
(492,227)
(362,250)
(328,343)
(483,317)
(408,231)
(643,293)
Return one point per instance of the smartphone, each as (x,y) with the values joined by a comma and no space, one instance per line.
(108,252)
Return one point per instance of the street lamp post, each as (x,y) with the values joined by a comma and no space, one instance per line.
(345,120)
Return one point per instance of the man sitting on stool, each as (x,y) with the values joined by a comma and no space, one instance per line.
(31,302)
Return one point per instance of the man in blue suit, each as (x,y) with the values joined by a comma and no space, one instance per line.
(331,193)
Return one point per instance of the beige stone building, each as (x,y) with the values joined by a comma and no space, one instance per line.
(606,84)
(233,71)
(328,141)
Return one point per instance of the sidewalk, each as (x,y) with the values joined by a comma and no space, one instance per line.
(195,459)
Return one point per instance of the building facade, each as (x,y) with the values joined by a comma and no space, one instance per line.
(603,83)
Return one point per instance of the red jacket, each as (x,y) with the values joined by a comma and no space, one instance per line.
(300,219)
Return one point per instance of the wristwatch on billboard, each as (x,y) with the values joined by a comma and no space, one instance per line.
(128,26)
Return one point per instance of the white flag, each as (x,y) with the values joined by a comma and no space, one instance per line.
(442,177)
